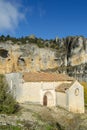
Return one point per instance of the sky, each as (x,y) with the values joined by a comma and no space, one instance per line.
(45,19)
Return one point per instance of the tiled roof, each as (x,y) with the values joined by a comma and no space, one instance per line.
(64,86)
(49,77)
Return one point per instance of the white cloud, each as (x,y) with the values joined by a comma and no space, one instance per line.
(10,16)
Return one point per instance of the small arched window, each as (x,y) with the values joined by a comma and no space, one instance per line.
(76,91)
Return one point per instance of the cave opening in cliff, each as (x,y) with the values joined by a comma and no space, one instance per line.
(21,61)
(3,53)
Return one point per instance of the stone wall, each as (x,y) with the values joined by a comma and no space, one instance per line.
(61,99)
(76,98)
(15,82)
(31,92)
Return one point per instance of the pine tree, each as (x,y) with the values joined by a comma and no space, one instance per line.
(7,102)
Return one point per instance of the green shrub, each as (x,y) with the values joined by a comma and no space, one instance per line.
(48,127)
(40,44)
(7,102)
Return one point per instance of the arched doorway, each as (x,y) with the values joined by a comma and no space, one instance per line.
(48,99)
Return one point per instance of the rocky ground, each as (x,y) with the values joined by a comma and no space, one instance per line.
(36,117)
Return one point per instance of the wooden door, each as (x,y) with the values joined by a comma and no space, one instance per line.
(45,100)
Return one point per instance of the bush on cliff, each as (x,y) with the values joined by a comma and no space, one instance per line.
(7,102)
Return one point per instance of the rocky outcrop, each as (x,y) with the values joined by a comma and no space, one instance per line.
(67,55)
(36,117)
(77,57)
(15,58)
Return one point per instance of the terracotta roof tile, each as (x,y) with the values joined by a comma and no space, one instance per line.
(64,86)
(49,77)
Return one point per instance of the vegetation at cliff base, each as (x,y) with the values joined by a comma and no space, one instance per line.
(7,102)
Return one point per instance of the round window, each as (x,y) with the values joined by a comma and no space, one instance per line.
(76,91)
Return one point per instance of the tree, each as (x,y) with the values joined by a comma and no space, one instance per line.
(2,38)
(8,37)
(7,102)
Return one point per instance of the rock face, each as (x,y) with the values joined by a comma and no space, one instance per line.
(67,55)
(15,58)
(77,57)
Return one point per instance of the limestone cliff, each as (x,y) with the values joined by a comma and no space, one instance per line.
(26,58)
(67,55)
(77,57)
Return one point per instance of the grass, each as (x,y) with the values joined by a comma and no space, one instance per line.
(34,114)
(48,127)
(10,128)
